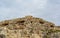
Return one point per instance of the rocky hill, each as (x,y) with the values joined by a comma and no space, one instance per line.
(28,27)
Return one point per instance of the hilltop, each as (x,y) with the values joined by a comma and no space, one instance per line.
(28,27)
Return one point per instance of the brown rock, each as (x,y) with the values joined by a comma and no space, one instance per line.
(28,27)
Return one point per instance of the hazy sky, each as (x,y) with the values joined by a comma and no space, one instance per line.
(46,9)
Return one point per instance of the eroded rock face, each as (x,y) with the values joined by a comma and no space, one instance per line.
(28,27)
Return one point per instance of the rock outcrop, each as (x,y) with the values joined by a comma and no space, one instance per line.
(28,27)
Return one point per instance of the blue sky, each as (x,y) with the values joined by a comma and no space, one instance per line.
(46,9)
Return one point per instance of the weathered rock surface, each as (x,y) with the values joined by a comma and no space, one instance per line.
(28,27)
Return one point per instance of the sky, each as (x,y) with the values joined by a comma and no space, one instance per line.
(46,9)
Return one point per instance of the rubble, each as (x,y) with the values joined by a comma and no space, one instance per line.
(28,27)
